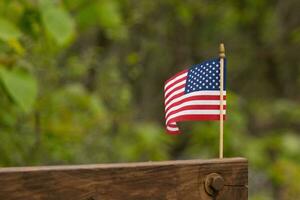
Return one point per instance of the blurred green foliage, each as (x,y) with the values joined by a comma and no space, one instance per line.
(81,82)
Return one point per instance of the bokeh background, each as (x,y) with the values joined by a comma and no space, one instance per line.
(82,82)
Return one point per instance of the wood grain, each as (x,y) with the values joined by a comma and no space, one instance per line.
(182,180)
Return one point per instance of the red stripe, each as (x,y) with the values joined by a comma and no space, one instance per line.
(173,132)
(173,125)
(193,118)
(174,97)
(178,74)
(196,118)
(179,80)
(198,97)
(197,107)
(177,88)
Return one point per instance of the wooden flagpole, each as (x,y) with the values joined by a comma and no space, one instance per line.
(222,56)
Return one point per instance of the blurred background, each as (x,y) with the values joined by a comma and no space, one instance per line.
(82,82)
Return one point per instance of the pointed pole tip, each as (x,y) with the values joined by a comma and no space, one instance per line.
(222,50)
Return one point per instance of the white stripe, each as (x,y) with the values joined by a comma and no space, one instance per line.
(172,129)
(174,93)
(195,112)
(203,92)
(174,86)
(175,79)
(196,102)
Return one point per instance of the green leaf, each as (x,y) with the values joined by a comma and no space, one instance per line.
(8,30)
(184,14)
(106,14)
(59,24)
(20,86)
(46,4)
(109,14)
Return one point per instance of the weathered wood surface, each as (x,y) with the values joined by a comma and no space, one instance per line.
(181,180)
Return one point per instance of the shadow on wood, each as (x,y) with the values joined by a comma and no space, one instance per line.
(182,180)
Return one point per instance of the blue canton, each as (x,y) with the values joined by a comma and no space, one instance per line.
(205,76)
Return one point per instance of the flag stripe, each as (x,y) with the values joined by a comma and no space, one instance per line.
(196,118)
(172,129)
(172,125)
(195,107)
(201,95)
(174,87)
(174,83)
(195,112)
(179,93)
(173,132)
(197,100)
(175,78)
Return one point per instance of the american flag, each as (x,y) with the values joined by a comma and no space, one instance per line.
(194,94)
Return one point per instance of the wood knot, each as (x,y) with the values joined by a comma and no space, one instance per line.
(213,184)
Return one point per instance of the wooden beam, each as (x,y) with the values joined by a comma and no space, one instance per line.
(182,180)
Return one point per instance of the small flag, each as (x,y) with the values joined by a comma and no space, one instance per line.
(194,94)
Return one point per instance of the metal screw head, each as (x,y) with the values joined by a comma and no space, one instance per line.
(214,183)
(217,183)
